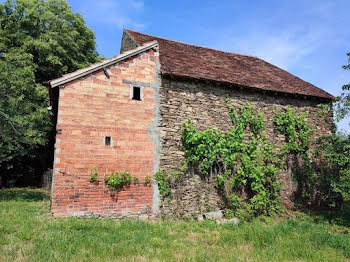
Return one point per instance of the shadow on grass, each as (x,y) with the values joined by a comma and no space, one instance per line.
(335,217)
(23,194)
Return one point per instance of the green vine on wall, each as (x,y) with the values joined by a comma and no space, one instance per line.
(116,180)
(245,164)
(296,130)
(164,183)
(167,180)
(297,142)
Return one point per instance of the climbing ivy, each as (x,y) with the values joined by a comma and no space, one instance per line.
(297,142)
(164,183)
(246,165)
(296,130)
(242,160)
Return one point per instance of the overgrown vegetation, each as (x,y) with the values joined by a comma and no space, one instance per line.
(324,174)
(28,233)
(164,183)
(246,166)
(333,169)
(244,163)
(116,180)
(297,135)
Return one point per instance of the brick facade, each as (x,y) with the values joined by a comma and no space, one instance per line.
(91,109)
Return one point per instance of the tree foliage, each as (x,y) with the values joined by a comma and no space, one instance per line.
(333,168)
(58,39)
(342,107)
(23,116)
(39,40)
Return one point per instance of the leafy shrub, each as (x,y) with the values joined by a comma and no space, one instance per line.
(333,168)
(235,202)
(326,179)
(117,180)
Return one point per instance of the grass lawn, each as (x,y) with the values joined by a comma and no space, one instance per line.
(28,233)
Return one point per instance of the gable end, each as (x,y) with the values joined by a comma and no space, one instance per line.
(128,42)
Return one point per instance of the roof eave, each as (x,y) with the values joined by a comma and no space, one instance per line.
(331,98)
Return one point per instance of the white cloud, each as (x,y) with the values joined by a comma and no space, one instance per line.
(112,13)
(283,49)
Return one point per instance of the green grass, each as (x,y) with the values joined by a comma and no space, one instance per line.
(28,233)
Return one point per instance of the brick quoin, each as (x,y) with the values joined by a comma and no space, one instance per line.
(89,109)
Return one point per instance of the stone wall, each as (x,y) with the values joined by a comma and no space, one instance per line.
(128,43)
(204,103)
(91,108)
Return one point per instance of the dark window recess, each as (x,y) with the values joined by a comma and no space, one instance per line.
(107,140)
(136,93)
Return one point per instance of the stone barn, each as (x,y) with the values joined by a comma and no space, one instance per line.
(126,113)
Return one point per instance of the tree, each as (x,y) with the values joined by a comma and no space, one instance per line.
(39,40)
(342,107)
(333,168)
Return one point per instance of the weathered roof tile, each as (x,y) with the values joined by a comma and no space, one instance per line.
(185,60)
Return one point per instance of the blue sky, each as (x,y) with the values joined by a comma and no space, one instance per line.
(307,38)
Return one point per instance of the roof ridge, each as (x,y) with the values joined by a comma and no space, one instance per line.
(184,43)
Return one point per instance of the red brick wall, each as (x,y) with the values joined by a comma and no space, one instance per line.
(90,109)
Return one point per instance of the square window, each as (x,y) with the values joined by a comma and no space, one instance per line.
(107,140)
(136,93)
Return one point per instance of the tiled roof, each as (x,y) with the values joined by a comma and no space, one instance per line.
(185,60)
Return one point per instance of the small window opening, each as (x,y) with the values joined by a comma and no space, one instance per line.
(107,140)
(136,93)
